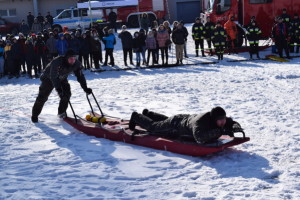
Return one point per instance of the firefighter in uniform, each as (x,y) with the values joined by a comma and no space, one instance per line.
(253,35)
(198,32)
(219,40)
(209,30)
(281,37)
(55,76)
(286,17)
(294,31)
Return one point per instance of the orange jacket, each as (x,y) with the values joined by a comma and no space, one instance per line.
(231,29)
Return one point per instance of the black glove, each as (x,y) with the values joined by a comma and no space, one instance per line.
(236,127)
(228,132)
(60,92)
(88,90)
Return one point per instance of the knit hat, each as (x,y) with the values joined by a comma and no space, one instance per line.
(70,53)
(217,113)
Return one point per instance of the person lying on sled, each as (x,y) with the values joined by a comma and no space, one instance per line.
(205,128)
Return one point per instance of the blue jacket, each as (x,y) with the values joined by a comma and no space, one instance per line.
(1,52)
(110,41)
(62,46)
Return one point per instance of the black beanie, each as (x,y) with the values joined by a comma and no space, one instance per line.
(70,53)
(217,113)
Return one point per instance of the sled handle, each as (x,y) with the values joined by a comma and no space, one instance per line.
(87,96)
(244,135)
(75,116)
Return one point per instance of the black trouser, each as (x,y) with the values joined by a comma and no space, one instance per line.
(164,54)
(97,56)
(281,44)
(158,123)
(153,53)
(86,61)
(45,90)
(125,53)
(220,51)
(199,42)
(109,52)
(209,42)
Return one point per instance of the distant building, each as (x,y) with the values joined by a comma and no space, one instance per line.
(17,10)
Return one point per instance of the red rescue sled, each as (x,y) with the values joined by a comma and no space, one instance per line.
(117,130)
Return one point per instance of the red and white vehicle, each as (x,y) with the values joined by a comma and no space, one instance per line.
(128,10)
(265,11)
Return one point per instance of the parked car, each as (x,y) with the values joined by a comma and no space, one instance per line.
(8,27)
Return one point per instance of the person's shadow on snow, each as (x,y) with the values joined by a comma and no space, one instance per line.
(89,149)
(235,163)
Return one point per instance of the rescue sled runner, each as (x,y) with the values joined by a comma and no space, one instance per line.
(116,129)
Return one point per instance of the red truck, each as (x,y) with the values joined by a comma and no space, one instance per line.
(265,12)
(8,27)
(129,10)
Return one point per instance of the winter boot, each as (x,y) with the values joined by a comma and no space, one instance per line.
(125,63)
(34,119)
(251,56)
(177,63)
(197,53)
(138,64)
(62,115)
(257,55)
(203,55)
(221,56)
(181,62)
(132,123)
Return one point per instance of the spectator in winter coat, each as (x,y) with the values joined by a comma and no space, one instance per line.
(96,48)
(232,32)
(162,38)
(36,26)
(40,19)
(30,57)
(198,32)
(46,24)
(49,17)
(61,45)
(51,46)
(151,46)
(143,36)
(175,24)
(137,47)
(16,53)
(30,20)
(112,18)
(24,28)
(9,59)
(253,36)
(204,128)
(178,38)
(145,22)
(126,39)
(154,30)
(85,50)
(167,26)
(74,44)
(1,58)
(56,76)
(219,40)
(40,52)
(110,42)
(185,40)
(209,29)
(21,42)
(280,34)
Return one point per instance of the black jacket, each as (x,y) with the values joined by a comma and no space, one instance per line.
(179,36)
(126,39)
(58,71)
(209,29)
(202,127)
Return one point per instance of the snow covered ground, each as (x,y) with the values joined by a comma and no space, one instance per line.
(51,160)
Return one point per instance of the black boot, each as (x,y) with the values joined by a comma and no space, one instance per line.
(34,119)
(125,63)
(251,56)
(181,62)
(203,55)
(221,56)
(132,123)
(197,53)
(257,55)
(141,120)
(177,63)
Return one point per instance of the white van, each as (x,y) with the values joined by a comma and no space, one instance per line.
(77,18)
